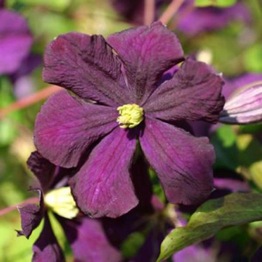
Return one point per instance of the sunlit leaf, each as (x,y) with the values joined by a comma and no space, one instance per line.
(58,5)
(233,209)
(217,3)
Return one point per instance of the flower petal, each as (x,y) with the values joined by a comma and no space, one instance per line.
(103,186)
(46,247)
(87,66)
(49,175)
(147,51)
(42,168)
(31,216)
(193,93)
(183,162)
(65,127)
(89,241)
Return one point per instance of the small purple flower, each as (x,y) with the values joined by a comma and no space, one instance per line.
(16,41)
(194,20)
(121,96)
(86,236)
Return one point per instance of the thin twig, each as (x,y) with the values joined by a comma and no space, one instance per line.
(32,200)
(29,100)
(170,11)
(149,11)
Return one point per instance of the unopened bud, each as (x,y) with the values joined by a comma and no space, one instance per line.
(244,106)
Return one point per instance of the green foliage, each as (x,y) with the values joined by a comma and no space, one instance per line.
(217,3)
(209,218)
(58,5)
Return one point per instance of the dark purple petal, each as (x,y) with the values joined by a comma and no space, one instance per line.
(49,175)
(183,162)
(193,93)
(257,256)
(31,216)
(42,168)
(103,186)
(226,182)
(65,127)
(147,52)
(88,241)
(150,249)
(142,183)
(46,247)
(87,66)
(15,43)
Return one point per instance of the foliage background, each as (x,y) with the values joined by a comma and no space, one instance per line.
(235,49)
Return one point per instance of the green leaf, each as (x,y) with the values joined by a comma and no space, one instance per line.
(209,218)
(58,5)
(217,3)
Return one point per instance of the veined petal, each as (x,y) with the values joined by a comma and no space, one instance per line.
(42,168)
(88,241)
(103,186)
(147,52)
(183,162)
(87,66)
(46,247)
(193,93)
(65,128)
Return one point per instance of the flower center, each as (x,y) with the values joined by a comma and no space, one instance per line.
(61,201)
(130,115)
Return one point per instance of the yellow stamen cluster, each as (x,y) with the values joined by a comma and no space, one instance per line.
(130,115)
(61,201)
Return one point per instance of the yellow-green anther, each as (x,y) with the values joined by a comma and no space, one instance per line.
(61,201)
(130,115)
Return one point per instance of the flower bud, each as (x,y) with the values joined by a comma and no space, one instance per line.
(244,106)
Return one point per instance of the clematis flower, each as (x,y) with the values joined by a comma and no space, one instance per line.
(86,236)
(195,20)
(16,41)
(121,96)
(16,58)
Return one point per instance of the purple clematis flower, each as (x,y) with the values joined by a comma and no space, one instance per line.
(16,41)
(195,20)
(121,95)
(86,236)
